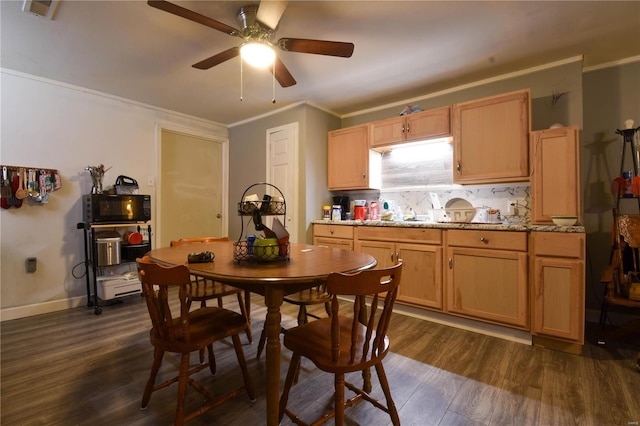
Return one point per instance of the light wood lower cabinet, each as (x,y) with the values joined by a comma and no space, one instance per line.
(557,293)
(422,271)
(487,276)
(334,236)
(523,280)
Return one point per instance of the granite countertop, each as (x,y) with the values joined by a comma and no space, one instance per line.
(523,227)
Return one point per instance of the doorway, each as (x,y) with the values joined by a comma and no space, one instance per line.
(192,186)
(282,171)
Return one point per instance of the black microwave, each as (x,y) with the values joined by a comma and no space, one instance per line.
(121,208)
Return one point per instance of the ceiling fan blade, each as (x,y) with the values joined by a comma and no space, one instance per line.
(192,16)
(282,74)
(270,12)
(318,47)
(217,59)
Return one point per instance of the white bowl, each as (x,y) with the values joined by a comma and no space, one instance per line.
(564,220)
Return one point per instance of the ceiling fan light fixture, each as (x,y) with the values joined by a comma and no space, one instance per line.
(259,55)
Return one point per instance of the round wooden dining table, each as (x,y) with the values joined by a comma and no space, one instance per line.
(306,267)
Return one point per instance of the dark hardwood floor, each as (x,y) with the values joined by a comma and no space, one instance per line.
(75,368)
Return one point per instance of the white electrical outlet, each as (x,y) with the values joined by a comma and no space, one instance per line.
(511,206)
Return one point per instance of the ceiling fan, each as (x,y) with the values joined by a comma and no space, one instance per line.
(259,24)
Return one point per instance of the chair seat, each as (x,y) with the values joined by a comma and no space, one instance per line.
(312,296)
(206,325)
(313,341)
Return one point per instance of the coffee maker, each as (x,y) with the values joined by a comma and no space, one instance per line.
(343,202)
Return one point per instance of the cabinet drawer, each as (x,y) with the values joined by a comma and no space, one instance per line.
(558,244)
(333,243)
(498,240)
(333,231)
(411,235)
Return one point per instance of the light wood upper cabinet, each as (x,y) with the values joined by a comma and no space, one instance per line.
(557,292)
(555,174)
(424,125)
(491,139)
(487,276)
(351,164)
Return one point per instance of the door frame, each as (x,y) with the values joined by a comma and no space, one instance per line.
(295,173)
(195,132)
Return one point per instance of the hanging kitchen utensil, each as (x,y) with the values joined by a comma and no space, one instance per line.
(6,184)
(5,201)
(45,186)
(20,192)
(31,184)
(15,185)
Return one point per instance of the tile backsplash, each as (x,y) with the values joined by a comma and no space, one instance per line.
(410,175)
(496,196)
(493,196)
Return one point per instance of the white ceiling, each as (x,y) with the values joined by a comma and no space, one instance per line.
(403,49)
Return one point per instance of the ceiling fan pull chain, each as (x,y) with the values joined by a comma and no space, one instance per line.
(273,82)
(240,80)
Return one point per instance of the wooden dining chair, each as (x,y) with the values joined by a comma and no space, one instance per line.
(343,344)
(309,297)
(202,289)
(184,332)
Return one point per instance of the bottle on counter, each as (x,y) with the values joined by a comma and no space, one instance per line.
(326,213)
(336,213)
(373,211)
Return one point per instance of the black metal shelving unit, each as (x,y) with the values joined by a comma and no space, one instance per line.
(93,270)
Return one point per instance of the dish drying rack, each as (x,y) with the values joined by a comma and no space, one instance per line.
(243,250)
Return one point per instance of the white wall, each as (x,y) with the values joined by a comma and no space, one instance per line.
(52,125)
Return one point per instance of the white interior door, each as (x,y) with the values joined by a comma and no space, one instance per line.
(191,187)
(282,171)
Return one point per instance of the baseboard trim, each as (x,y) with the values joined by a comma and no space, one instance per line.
(17,312)
(506,333)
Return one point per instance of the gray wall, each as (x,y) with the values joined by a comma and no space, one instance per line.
(565,78)
(611,96)
(247,164)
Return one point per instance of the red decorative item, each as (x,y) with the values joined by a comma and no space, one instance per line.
(617,187)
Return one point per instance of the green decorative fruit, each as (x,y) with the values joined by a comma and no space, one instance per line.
(266,248)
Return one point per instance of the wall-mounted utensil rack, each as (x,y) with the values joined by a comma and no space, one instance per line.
(18,183)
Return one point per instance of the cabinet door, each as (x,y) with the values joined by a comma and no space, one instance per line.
(558,307)
(421,275)
(555,174)
(351,165)
(491,139)
(488,284)
(430,124)
(383,252)
(387,132)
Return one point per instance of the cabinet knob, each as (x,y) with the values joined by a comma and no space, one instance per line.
(484,240)
(218,215)
(403,128)
(458,167)
(331,231)
(364,175)
(450,263)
